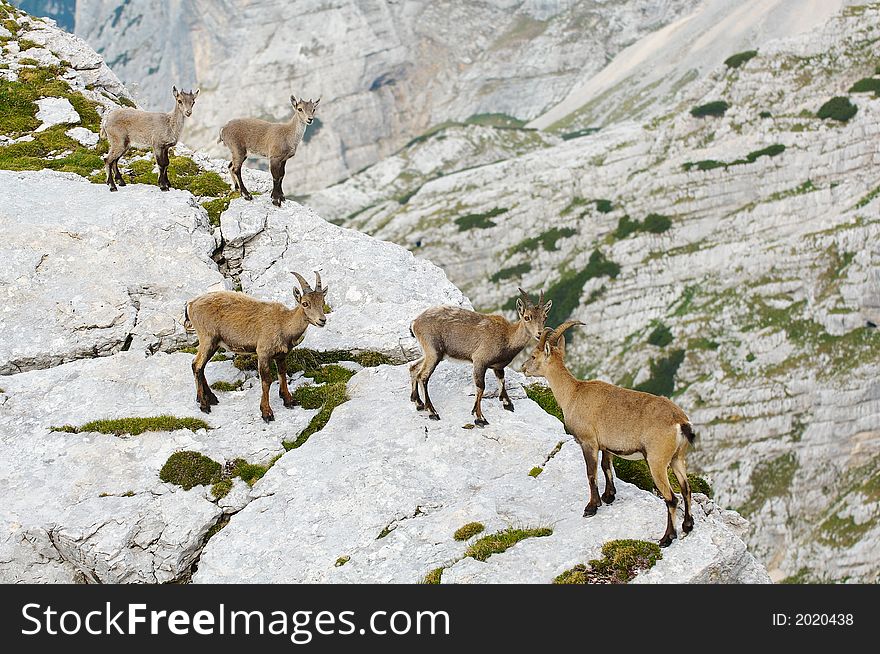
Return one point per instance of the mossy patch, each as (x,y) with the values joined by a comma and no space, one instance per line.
(566,293)
(575,203)
(546,240)
(543,396)
(866,85)
(331,374)
(503,540)
(621,561)
(654,223)
(537,470)
(135,426)
(188,469)
(513,271)
(227,387)
(221,488)
(770,479)
(304,359)
(327,397)
(479,220)
(716,108)
(660,336)
(342,560)
(185,174)
(250,473)
(844,532)
(838,108)
(604,206)
(434,576)
(215,209)
(737,60)
(469,530)
(663,371)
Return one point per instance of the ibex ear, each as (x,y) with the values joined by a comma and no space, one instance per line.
(324,291)
(520,307)
(547,308)
(196,94)
(293,99)
(561,345)
(174,91)
(297,294)
(547,347)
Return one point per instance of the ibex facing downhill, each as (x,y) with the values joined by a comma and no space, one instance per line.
(242,324)
(277,141)
(489,341)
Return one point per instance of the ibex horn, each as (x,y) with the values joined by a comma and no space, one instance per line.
(525,297)
(302,282)
(541,299)
(559,331)
(543,338)
(317,281)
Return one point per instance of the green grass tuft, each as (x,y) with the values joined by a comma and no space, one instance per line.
(188,469)
(622,560)
(866,85)
(653,223)
(503,540)
(467,531)
(543,396)
(604,206)
(661,336)
(740,58)
(513,271)
(838,108)
(716,108)
(342,560)
(328,397)
(215,208)
(662,379)
(537,470)
(770,479)
(479,220)
(566,293)
(221,488)
(135,426)
(185,174)
(547,240)
(434,576)
(331,374)
(226,387)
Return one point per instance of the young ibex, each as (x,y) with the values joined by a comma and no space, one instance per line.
(241,324)
(488,341)
(277,141)
(615,420)
(126,127)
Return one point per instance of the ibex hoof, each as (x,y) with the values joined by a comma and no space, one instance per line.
(608,498)
(508,407)
(420,406)
(666,541)
(277,203)
(121,182)
(206,408)
(269,418)
(434,416)
(113,188)
(687,526)
(481,422)
(590,511)
(289,405)
(248,196)
(213,400)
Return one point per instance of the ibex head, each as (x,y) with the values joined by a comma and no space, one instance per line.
(185,99)
(551,342)
(311,300)
(305,109)
(533,315)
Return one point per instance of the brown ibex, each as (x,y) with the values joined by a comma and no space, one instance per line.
(126,127)
(277,141)
(243,324)
(488,341)
(619,421)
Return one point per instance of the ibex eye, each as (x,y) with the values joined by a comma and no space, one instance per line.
(306,305)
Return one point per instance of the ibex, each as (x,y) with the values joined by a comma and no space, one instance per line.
(277,141)
(488,341)
(243,324)
(618,421)
(126,127)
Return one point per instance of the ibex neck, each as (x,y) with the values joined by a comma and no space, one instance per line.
(296,323)
(520,337)
(175,120)
(562,383)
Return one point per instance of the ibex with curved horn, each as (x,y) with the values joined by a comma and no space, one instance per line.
(243,324)
(488,341)
(618,421)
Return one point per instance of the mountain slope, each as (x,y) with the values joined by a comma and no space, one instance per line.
(729,260)
(387,71)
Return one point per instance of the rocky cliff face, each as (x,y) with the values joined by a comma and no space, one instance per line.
(111,474)
(728,258)
(386,71)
